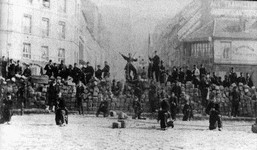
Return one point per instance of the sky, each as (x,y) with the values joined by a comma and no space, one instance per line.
(130,22)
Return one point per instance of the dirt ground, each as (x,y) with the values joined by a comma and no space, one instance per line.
(39,132)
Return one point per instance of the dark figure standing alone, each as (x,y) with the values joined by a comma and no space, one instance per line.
(103,107)
(164,114)
(61,113)
(213,109)
(129,67)
(7,109)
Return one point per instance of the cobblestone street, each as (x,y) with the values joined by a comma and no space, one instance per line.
(37,132)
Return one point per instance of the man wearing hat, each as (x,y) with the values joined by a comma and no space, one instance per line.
(18,69)
(156,67)
(106,69)
(99,72)
(7,109)
(213,109)
(89,72)
(27,71)
(48,68)
(11,69)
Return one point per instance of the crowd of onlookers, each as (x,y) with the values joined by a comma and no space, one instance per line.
(83,73)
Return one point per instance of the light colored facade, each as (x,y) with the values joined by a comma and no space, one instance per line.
(35,31)
(219,34)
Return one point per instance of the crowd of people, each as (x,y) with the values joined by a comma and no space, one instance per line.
(164,98)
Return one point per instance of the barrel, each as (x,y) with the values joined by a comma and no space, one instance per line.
(123,124)
(115,125)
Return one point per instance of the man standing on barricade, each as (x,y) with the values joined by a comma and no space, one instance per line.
(48,69)
(156,67)
(129,67)
(106,69)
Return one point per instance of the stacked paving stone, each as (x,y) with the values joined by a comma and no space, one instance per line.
(247,105)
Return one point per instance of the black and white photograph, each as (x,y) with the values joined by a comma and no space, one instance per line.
(128,75)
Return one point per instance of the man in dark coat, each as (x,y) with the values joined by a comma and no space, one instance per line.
(164,114)
(156,67)
(130,67)
(4,65)
(241,79)
(76,73)
(18,68)
(162,73)
(80,97)
(189,75)
(226,82)
(53,90)
(203,71)
(187,109)
(150,70)
(55,70)
(106,70)
(174,75)
(103,107)
(48,69)
(89,72)
(232,76)
(7,109)
(249,80)
(27,71)
(98,72)
(213,109)
(11,69)
(61,113)
(181,75)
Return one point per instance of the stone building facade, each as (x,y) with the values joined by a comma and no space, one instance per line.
(35,31)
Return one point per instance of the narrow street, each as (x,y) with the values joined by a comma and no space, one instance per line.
(88,132)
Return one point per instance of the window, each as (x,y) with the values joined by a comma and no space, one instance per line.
(46,3)
(61,54)
(226,47)
(27,24)
(62,5)
(62,30)
(45,53)
(45,27)
(26,52)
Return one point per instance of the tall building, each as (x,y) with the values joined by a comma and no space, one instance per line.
(220,34)
(35,31)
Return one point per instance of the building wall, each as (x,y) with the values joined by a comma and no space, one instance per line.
(12,34)
(229,51)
